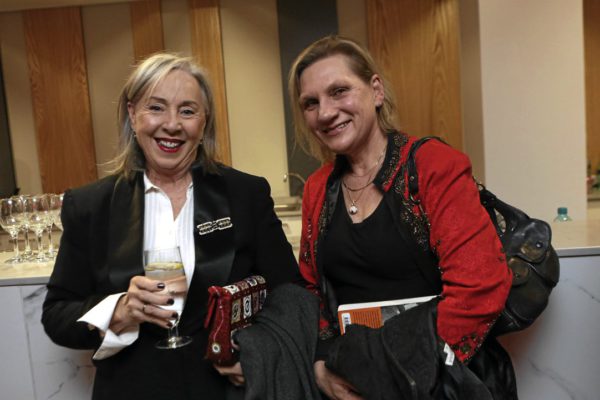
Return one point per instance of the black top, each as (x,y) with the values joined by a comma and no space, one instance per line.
(369,260)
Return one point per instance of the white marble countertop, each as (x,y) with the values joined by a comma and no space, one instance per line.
(576,238)
(30,273)
(570,239)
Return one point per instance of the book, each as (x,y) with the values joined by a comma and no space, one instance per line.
(374,314)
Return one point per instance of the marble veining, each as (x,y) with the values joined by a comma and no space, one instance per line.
(557,357)
(567,281)
(58,372)
(32,302)
(72,371)
(567,387)
(16,379)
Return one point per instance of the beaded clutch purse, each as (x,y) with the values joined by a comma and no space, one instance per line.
(230,308)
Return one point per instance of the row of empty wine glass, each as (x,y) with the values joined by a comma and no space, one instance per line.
(31,214)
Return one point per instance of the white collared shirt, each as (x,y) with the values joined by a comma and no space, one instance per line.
(160,231)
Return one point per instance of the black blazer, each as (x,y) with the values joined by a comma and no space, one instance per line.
(101,250)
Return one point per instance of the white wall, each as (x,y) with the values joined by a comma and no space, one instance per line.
(254,90)
(533,104)
(470,86)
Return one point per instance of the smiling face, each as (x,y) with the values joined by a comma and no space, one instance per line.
(169,124)
(338,106)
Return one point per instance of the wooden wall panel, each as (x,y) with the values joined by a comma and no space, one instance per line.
(591,32)
(207,48)
(416,42)
(61,106)
(147,28)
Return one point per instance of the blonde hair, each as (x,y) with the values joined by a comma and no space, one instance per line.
(360,62)
(144,78)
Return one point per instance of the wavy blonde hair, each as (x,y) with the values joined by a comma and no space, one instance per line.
(144,78)
(360,62)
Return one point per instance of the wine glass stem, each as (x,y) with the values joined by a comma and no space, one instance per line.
(15,240)
(27,246)
(173,333)
(40,251)
(50,245)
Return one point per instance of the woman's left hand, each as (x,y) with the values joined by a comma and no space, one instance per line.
(233,373)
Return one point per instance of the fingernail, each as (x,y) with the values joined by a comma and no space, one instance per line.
(175,315)
(160,285)
(169,325)
(170,302)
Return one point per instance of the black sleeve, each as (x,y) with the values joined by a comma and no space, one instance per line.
(323,346)
(71,287)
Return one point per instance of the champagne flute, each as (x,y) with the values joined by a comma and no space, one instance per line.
(11,225)
(165,265)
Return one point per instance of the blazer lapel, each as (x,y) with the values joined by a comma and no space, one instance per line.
(126,228)
(213,229)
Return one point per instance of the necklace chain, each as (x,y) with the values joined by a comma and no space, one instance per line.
(373,167)
(353,209)
(348,188)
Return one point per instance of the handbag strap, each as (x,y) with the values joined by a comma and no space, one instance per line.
(413,174)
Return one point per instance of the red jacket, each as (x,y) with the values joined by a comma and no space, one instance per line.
(475,277)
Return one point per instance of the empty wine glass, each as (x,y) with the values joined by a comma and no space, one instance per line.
(51,205)
(22,217)
(37,223)
(10,224)
(165,265)
(56,206)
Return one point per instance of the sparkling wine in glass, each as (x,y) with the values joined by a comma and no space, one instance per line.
(165,265)
(10,224)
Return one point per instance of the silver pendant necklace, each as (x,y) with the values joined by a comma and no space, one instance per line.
(353,209)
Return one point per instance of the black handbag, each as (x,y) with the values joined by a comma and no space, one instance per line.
(529,254)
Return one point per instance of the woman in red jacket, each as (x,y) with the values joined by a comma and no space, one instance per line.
(361,230)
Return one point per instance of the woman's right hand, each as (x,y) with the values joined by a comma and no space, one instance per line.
(142,303)
(334,386)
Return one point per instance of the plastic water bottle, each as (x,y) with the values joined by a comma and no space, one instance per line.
(563,215)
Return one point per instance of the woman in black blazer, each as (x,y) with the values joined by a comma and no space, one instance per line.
(166,169)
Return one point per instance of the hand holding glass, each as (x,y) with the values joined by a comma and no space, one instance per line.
(165,265)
